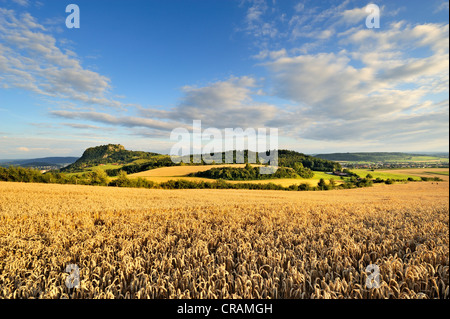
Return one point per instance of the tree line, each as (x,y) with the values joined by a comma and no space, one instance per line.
(289,158)
(99,178)
(253,173)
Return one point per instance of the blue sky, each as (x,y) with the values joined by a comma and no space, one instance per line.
(136,70)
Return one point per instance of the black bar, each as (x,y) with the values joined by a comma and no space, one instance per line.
(229,308)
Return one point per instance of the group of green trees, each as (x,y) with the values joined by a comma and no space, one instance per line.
(29,175)
(222,184)
(254,173)
(302,171)
(21,174)
(428,179)
(152,163)
(409,179)
(218,184)
(288,158)
(123,181)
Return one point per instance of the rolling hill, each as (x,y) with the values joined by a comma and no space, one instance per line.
(137,161)
(382,157)
(107,154)
(40,162)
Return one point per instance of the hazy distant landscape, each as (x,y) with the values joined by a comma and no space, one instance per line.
(385,157)
(380,158)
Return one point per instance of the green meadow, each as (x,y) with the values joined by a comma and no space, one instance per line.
(384,175)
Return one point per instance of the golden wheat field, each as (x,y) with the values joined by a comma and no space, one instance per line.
(154,243)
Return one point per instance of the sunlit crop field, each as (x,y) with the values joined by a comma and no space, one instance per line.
(154,243)
(405,173)
(425,172)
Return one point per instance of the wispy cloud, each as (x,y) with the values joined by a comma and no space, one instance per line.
(387,97)
(105,118)
(30,59)
(371,86)
(221,104)
(87,127)
(443,6)
(24,3)
(257,24)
